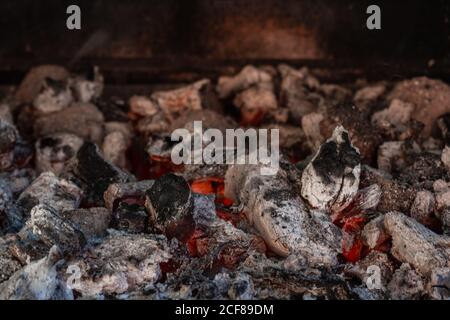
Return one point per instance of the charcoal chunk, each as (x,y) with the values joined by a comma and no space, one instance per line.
(52,191)
(332,177)
(169,203)
(94,173)
(51,228)
(55,151)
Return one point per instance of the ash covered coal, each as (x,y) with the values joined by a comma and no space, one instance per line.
(92,207)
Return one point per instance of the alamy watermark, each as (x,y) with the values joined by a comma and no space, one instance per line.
(210,147)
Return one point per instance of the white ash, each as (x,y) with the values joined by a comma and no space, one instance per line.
(406,284)
(117,191)
(54,96)
(121,263)
(143,106)
(331,179)
(37,281)
(52,191)
(413,243)
(52,229)
(280,216)
(373,233)
(246,78)
(55,151)
(439,284)
(81,119)
(423,207)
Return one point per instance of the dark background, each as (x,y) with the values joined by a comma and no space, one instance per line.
(138,41)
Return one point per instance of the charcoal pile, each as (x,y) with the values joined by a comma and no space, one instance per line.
(93,207)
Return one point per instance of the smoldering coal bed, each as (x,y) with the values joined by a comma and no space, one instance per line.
(93,207)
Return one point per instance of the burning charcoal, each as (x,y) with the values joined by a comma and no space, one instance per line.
(370,93)
(37,281)
(406,284)
(332,177)
(413,243)
(123,262)
(55,151)
(34,81)
(83,120)
(395,196)
(92,222)
(143,106)
(117,191)
(374,233)
(439,285)
(431,99)
(280,216)
(132,218)
(169,203)
(86,90)
(174,102)
(8,265)
(54,96)
(395,119)
(248,77)
(47,189)
(48,226)
(94,173)
(423,207)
